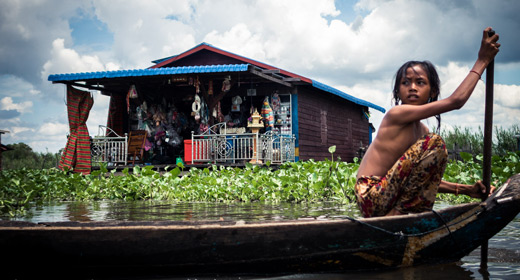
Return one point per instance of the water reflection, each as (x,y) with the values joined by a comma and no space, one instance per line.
(179,211)
(503,255)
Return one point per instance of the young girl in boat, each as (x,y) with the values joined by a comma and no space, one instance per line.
(402,169)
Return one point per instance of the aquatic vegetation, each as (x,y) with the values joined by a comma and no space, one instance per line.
(303,181)
(291,182)
(469,169)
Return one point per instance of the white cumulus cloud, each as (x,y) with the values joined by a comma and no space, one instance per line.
(53,128)
(66,60)
(7,103)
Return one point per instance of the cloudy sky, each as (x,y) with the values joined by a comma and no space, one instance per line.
(355,46)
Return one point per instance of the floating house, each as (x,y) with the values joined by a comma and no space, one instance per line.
(208,105)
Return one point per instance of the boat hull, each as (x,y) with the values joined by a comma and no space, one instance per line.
(189,248)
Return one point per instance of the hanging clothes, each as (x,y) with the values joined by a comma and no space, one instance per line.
(210,87)
(132,94)
(220,116)
(116,115)
(204,112)
(140,117)
(276,102)
(226,84)
(76,155)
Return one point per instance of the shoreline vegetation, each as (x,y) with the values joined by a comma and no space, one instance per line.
(297,182)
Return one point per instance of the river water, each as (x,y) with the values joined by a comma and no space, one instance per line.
(503,255)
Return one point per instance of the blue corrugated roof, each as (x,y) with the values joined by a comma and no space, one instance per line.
(192,70)
(149,72)
(341,94)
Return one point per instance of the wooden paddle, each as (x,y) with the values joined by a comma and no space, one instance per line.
(488,140)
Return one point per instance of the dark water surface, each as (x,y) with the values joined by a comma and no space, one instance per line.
(503,257)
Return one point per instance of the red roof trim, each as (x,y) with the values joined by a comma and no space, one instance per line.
(205,46)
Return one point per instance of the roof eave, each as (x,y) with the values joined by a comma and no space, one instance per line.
(346,96)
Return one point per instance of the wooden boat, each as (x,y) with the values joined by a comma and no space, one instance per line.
(195,248)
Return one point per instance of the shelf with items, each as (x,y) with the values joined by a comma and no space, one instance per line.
(282,115)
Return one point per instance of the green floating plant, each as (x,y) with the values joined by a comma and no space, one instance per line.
(303,181)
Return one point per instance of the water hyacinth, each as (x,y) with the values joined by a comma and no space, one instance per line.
(296,182)
(291,182)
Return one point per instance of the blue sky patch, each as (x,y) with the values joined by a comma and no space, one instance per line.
(90,32)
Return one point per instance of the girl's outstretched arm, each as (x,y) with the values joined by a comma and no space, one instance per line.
(476,190)
(410,113)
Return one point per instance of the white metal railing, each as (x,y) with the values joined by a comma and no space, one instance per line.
(109,149)
(277,148)
(215,147)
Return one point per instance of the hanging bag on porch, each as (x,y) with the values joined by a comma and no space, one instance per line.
(235,103)
(132,94)
(195,107)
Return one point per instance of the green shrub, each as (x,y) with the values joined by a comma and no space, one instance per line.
(22,156)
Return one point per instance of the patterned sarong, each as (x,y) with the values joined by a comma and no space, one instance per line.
(76,155)
(411,185)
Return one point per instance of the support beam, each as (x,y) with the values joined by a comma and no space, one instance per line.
(267,77)
(86,86)
(292,79)
(271,71)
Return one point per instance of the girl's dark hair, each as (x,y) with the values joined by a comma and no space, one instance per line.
(433,78)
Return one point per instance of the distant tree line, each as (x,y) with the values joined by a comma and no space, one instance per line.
(22,156)
(466,140)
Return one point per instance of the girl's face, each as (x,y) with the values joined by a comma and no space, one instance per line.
(415,87)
